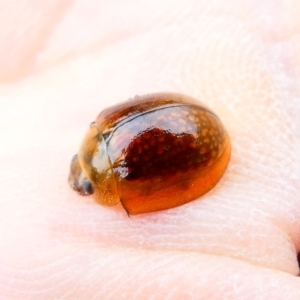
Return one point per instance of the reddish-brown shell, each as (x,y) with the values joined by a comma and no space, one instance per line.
(151,153)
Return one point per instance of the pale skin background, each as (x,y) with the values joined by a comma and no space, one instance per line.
(62,62)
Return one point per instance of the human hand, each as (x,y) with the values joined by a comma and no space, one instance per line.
(62,62)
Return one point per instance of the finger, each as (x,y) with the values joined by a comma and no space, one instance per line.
(257,198)
(251,215)
(25,29)
(93,272)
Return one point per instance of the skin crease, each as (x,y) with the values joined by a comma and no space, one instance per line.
(62,62)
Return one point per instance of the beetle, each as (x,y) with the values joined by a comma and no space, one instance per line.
(151,153)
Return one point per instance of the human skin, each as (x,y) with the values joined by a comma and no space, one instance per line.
(62,62)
